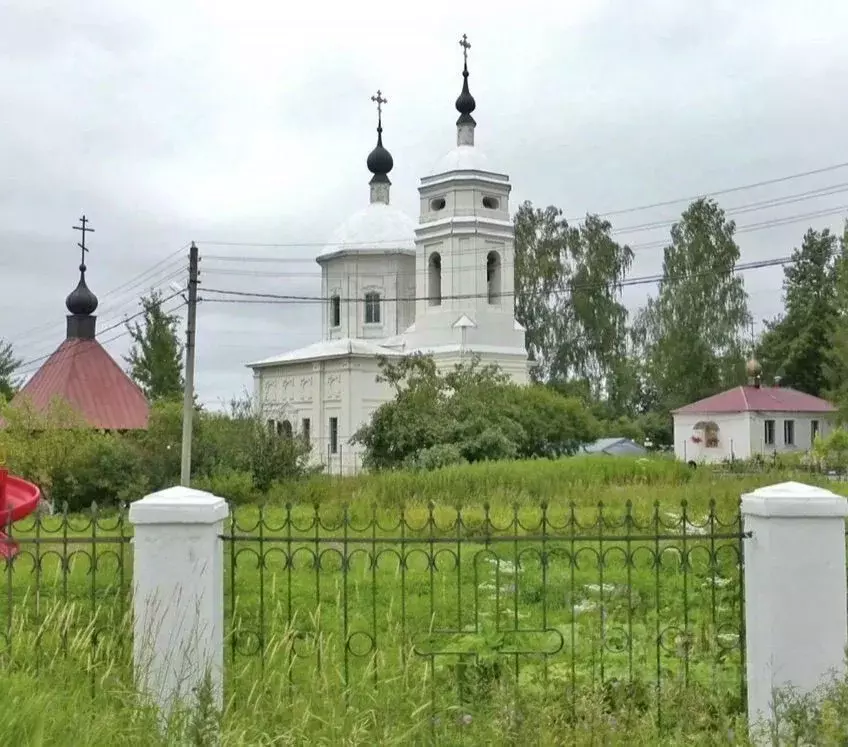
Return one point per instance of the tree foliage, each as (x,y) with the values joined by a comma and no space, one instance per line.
(567,296)
(9,364)
(470,413)
(835,367)
(690,334)
(156,357)
(541,276)
(795,346)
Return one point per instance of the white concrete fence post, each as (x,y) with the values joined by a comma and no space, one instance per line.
(795,591)
(178,602)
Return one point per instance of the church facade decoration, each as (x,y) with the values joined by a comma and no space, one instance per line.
(441,285)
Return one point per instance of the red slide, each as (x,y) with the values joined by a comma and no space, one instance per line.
(18,498)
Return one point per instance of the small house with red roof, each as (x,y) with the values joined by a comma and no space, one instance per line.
(749,420)
(81,373)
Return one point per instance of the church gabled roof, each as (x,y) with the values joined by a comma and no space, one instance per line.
(757,399)
(81,373)
(84,375)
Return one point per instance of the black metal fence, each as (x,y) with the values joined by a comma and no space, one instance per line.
(65,600)
(638,606)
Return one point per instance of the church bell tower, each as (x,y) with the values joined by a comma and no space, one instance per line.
(465,248)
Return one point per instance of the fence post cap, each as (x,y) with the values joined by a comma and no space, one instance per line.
(794,500)
(179,505)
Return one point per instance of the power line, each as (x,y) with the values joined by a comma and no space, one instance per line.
(745,228)
(258,297)
(41,331)
(27,366)
(727,191)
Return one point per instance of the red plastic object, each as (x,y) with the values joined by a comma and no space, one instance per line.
(18,499)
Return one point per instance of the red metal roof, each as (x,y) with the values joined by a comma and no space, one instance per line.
(83,374)
(758,399)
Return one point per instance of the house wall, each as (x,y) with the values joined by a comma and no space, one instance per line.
(803,431)
(742,435)
(344,388)
(734,438)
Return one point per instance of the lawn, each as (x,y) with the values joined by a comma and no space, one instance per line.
(537,602)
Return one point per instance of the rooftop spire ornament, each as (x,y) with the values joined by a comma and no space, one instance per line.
(81,302)
(465,103)
(380,161)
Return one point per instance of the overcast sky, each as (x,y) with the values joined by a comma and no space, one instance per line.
(249,122)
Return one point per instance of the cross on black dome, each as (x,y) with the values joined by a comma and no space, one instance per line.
(380,161)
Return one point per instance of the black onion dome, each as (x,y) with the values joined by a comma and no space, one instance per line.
(465,103)
(380,161)
(81,301)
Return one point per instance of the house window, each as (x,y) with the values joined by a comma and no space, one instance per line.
(493,277)
(434,274)
(789,432)
(306,430)
(372,308)
(335,311)
(768,433)
(814,431)
(272,426)
(284,429)
(334,435)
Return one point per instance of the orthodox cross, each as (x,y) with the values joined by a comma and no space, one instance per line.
(81,244)
(466,45)
(380,101)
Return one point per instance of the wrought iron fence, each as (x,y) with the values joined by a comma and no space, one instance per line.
(637,605)
(66,593)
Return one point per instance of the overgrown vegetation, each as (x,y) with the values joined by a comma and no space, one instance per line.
(76,466)
(472,413)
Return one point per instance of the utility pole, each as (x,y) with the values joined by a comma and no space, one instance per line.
(188,390)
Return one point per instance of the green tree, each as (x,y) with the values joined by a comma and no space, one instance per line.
(690,334)
(795,346)
(541,275)
(836,362)
(156,357)
(9,364)
(470,413)
(599,265)
(567,283)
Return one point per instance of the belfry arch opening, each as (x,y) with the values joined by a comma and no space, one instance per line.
(434,279)
(493,277)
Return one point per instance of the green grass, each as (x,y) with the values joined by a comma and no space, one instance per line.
(352,651)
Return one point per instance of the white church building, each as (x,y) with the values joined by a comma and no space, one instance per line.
(442,286)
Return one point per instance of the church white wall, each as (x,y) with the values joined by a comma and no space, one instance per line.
(345,389)
(353,275)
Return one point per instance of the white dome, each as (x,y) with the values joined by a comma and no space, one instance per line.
(462,158)
(379,226)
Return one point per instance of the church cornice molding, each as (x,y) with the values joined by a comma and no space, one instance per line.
(465,226)
(464,178)
(359,253)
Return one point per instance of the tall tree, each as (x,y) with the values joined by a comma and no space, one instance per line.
(795,346)
(599,265)
(567,296)
(9,364)
(691,331)
(836,363)
(541,276)
(156,357)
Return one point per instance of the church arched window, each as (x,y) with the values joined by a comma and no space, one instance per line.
(372,307)
(335,311)
(434,279)
(493,277)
